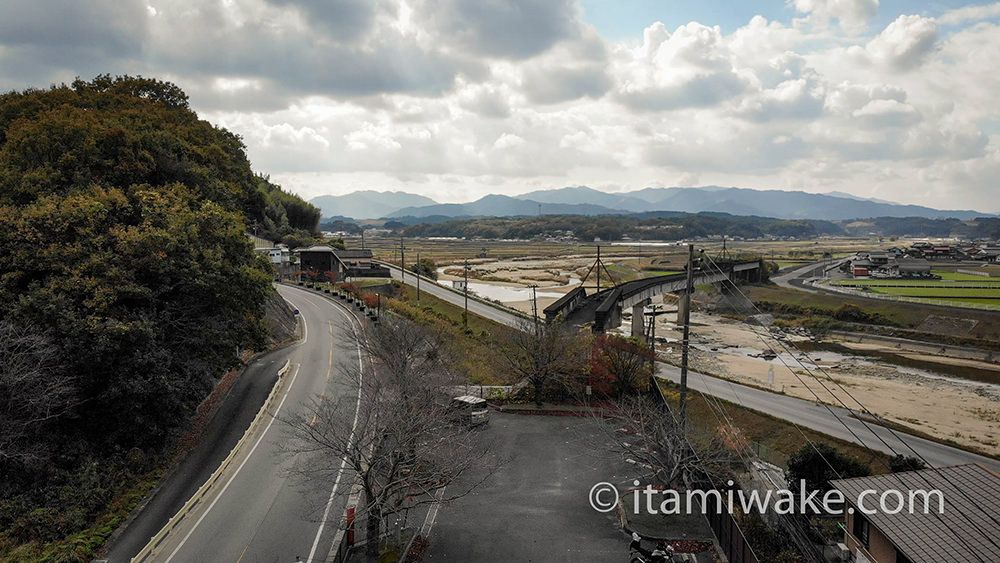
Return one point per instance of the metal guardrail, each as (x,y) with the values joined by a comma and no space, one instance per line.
(196,499)
(903,298)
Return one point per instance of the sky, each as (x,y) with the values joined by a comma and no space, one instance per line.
(454,99)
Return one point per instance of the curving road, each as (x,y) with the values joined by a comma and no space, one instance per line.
(492,312)
(804,413)
(833,421)
(255,513)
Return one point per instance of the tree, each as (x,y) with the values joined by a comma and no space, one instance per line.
(545,356)
(33,390)
(818,464)
(619,365)
(426,267)
(900,463)
(124,255)
(399,437)
(642,428)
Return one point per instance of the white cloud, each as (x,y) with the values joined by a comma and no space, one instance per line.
(905,43)
(689,68)
(852,15)
(456,97)
(970,13)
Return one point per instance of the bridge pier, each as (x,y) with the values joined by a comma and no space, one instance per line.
(638,320)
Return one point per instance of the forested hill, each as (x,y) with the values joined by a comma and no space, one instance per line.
(127,283)
(659,226)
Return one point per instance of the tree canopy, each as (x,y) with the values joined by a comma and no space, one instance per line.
(124,257)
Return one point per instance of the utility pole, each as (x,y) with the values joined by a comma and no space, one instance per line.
(418,279)
(402,261)
(652,343)
(362,239)
(465,319)
(534,308)
(599,268)
(685,341)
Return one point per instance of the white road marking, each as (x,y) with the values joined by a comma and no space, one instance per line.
(343,462)
(237,472)
(432,512)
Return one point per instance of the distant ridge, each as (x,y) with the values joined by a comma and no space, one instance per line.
(366,204)
(505,206)
(583,200)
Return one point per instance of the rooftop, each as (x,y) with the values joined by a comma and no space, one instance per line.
(967,531)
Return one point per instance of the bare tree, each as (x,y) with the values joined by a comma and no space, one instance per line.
(400,438)
(542,355)
(643,429)
(33,389)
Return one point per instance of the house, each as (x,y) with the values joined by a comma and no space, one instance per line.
(914,269)
(319,259)
(860,268)
(961,527)
(879,257)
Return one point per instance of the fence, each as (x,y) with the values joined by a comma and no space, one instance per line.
(731,539)
(898,298)
(973,273)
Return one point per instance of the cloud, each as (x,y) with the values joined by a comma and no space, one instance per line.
(689,68)
(572,70)
(345,20)
(905,43)
(800,98)
(970,14)
(513,29)
(852,15)
(486,100)
(47,42)
(464,95)
(887,113)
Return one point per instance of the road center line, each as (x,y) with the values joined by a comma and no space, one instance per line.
(350,440)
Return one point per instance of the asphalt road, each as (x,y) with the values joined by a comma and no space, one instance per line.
(795,279)
(803,413)
(536,507)
(457,298)
(834,421)
(234,416)
(261,514)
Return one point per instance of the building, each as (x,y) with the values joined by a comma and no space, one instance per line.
(319,259)
(966,531)
(860,268)
(879,257)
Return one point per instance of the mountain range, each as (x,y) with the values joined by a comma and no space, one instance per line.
(581,200)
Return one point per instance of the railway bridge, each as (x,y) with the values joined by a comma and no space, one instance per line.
(604,308)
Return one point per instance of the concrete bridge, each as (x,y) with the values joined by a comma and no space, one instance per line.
(605,307)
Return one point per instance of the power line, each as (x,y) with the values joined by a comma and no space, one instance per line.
(866,425)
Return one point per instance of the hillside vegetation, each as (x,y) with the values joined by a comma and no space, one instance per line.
(668,225)
(127,286)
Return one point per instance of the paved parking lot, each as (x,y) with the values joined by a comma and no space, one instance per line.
(536,508)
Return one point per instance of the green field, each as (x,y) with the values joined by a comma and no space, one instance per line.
(906,315)
(956,276)
(941,292)
(929,284)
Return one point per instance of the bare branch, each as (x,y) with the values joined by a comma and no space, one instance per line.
(405,445)
(33,389)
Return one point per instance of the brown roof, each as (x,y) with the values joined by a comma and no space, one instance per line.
(971,497)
